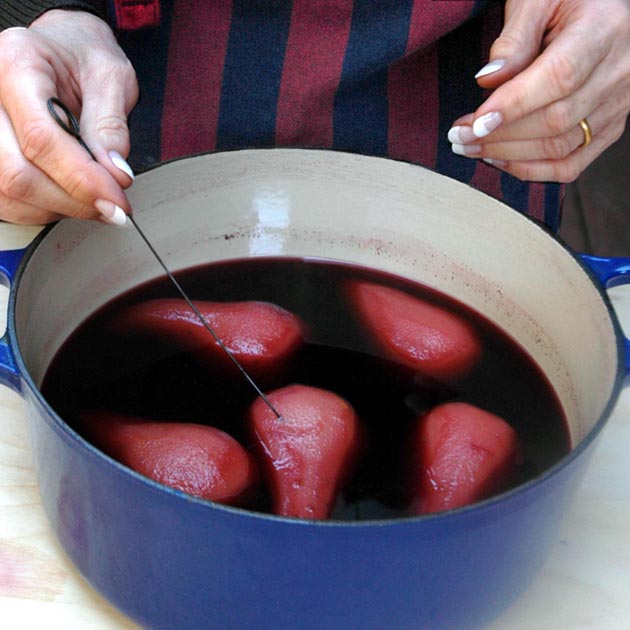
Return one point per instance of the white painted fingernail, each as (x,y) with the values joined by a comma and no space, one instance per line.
(467,150)
(494,162)
(119,162)
(461,135)
(111,212)
(486,124)
(489,68)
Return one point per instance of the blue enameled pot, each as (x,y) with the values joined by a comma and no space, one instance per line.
(171,561)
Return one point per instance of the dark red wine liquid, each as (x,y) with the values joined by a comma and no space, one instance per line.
(99,369)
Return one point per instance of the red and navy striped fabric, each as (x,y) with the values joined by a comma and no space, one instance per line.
(133,14)
(379,77)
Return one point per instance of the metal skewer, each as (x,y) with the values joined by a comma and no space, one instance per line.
(72,127)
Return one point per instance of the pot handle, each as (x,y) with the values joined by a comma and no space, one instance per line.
(612,272)
(9,374)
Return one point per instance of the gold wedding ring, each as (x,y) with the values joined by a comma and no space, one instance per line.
(587,131)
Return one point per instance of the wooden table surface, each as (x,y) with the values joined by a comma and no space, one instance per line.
(584,585)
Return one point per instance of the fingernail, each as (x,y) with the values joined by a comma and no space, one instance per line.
(487,124)
(491,67)
(111,213)
(119,162)
(494,162)
(461,135)
(467,150)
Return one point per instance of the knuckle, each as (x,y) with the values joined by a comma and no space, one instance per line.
(563,73)
(556,147)
(122,71)
(113,131)
(10,39)
(35,139)
(619,100)
(112,126)
(558,117)
(114,70)
(19,50)
(618,130)
(8,59)
(566,172)
(130,80)
(507,43)
(523,171)
(127,71)
(15,182)
(80,186)
(518,100)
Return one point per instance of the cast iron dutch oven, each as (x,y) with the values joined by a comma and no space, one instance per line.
(172,561)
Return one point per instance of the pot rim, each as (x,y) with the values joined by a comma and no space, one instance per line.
(399,521)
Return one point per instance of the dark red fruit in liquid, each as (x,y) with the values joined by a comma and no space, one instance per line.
(196,459)
(307,454)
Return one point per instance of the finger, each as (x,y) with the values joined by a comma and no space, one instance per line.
(25,213)
(106,104)
(26,87)
(559,71)
(568,169)
(607,90)
(534,149)
(24,185)
(556,119)
(62,159)
(551,148)
(518,44)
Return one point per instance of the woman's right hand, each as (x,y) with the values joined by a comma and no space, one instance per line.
(45,174)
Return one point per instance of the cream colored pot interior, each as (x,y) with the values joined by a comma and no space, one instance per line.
(369,211)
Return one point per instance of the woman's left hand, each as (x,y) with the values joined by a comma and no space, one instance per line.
(555,64)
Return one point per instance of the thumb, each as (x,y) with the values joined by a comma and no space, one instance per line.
(519,43)
(104,125)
